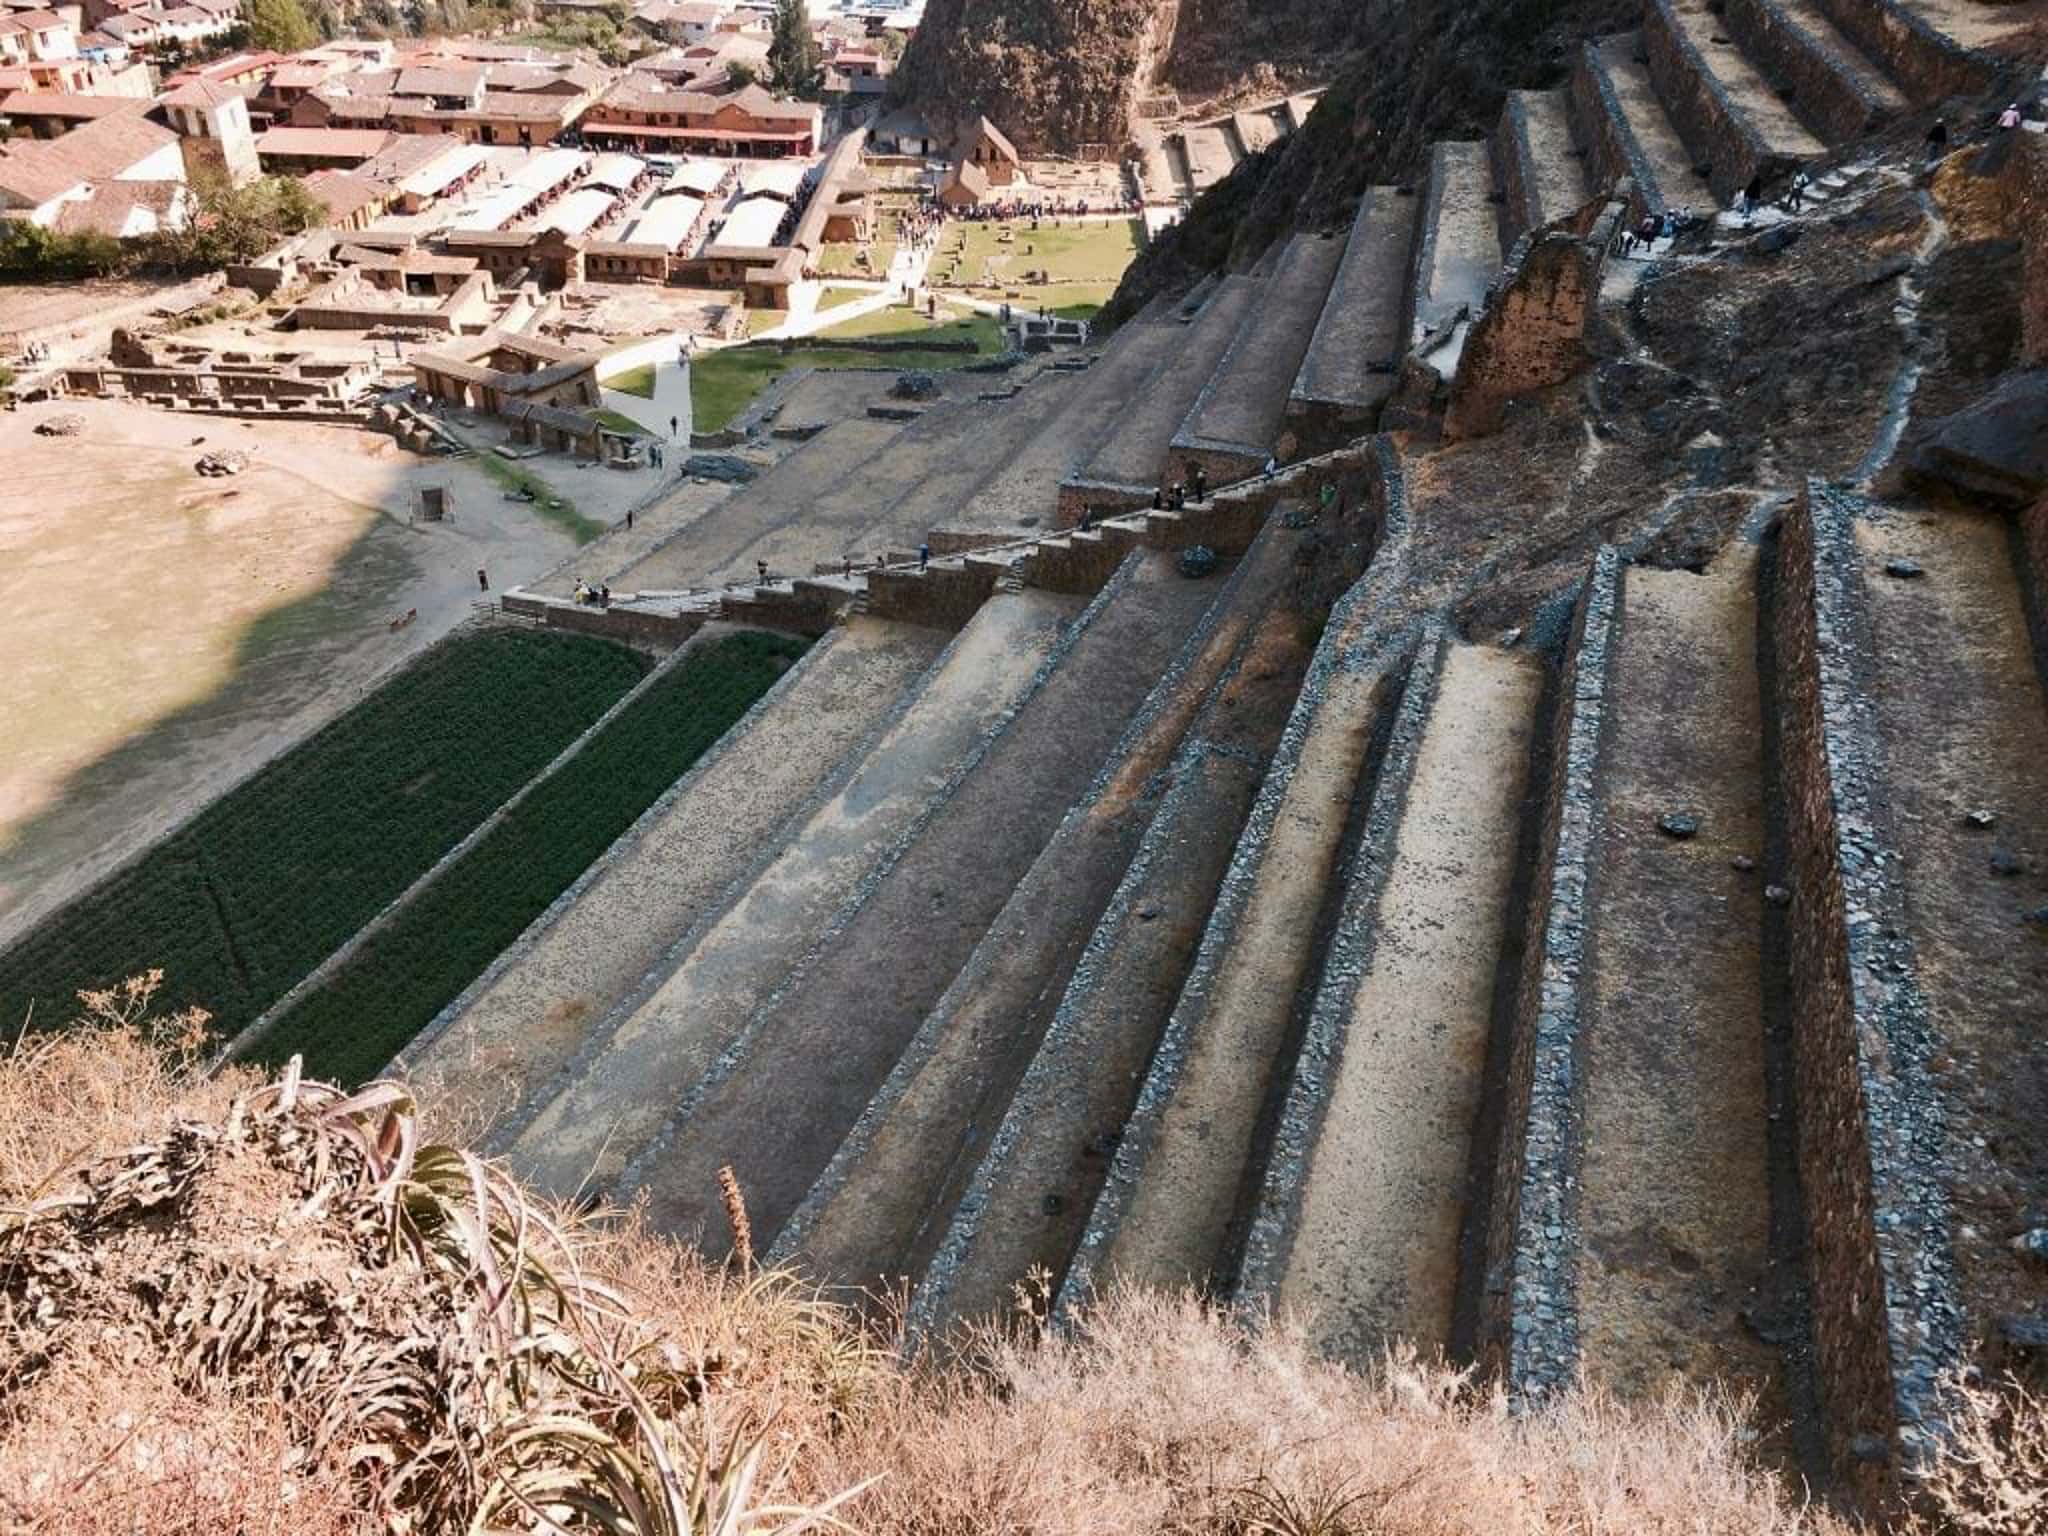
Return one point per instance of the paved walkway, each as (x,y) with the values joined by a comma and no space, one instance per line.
(671,401)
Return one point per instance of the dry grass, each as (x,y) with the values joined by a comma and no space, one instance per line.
(236,1306)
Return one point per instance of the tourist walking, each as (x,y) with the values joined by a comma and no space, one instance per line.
(761,571)
(483,579)
(924,556)
(673,426)
(1198,483)
(2010,117)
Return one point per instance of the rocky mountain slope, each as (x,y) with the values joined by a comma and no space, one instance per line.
(1054,74)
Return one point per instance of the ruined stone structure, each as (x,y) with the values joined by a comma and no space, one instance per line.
(161,371)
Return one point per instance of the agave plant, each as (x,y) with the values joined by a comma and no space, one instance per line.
(470,1374)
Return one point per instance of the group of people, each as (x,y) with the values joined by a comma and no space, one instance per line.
(600,596)
(1667,225)
(1175,497)
(36,352)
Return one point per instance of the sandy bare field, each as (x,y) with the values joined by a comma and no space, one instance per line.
(162,634)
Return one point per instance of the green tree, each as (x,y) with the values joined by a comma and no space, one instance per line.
(231,224)
(795,66)
(740,74)
(281,26)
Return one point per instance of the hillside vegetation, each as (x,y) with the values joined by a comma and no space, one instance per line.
(250,1305)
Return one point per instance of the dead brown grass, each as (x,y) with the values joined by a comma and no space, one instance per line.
(243,1346)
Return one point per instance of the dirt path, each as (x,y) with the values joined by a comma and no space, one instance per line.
(167,634)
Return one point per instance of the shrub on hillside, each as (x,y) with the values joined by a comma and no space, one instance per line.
(249,1305)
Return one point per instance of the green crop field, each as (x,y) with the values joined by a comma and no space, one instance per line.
(263,885)
(393,986)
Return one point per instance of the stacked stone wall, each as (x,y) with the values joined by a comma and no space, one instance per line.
(1714,130)
(1927,64)
(1612,156)
(1836,103)
(1528,1323)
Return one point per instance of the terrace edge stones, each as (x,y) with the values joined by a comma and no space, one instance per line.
(1532,1306)
(1278,1211)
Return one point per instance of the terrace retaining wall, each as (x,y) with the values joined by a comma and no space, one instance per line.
(1925,61)
(1838,104)
(1885,1316)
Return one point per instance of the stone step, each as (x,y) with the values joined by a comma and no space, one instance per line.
(1625,130)
(1168,1211)
(761,519)
(623,1082)
(1732,119)
(1362,1216)
(1540,169)
(877,968)
(1674,1265)
(1355,354)
(1457,242)
(1209,156)
(1135,457)
(1024,492)
(1027,1202)
(1835,88)
(1236,421)
(951,485)
(523,1019)
(1916,673)
(885,1200)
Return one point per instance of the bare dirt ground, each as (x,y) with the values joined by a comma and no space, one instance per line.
(36,310)
(161,634)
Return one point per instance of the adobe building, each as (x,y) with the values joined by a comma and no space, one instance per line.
(985,147)
(212,123)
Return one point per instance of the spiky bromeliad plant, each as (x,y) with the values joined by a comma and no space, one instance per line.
(428,1326)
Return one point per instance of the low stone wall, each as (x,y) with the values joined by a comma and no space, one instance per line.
(637,626)
(811,608)
(1532,333)
(1714,130)
(1528,1327)
(1104,500)
(1867,1116)
(1081,565)
(1926,62)
(1837,103)
(1612,155)
(942,597)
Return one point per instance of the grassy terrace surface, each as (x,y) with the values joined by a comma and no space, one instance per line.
(725,382)
(395,984)
(1082,263)
(274,877)
(634,381)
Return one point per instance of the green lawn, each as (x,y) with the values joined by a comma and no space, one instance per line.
(618,422)
(725,382)
(547,501)
(395,984)
(1082,263)
(841,258)
(634,381)
(239,905)
(759,320)
(900,323)
(832,298)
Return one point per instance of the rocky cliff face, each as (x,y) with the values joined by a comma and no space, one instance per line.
(1055,75)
